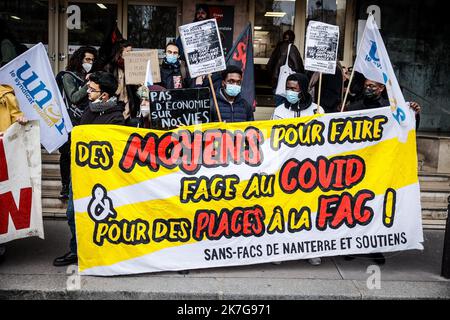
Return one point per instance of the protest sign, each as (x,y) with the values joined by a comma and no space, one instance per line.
(20,183)
(136,66)
(322,42)
(179,107)
(224,194)
(202,47)
(38,95)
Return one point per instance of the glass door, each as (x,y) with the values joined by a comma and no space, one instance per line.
(85,23)
(23,24)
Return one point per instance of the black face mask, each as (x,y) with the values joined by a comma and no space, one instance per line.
(370,94)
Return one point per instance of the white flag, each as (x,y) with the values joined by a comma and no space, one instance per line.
(373,61)
(148,75)
(38,95)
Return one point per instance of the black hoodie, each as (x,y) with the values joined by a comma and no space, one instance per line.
(305,98)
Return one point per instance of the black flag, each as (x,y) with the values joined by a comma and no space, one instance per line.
(241,55)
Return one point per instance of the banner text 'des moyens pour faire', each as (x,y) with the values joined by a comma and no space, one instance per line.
(224,194)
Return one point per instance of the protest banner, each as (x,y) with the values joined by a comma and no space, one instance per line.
(136,63)
(179,107)
(20,183)
(36,90)
(202,47)
(322,41)
(243,193)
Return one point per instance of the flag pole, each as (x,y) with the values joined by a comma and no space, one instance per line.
(353,69)
(214,97)
(320,89)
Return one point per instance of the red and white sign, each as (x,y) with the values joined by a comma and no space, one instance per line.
(20,183)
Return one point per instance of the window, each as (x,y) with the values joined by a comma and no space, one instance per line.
(151,27)
(272,18)
(97,20)
(25,21)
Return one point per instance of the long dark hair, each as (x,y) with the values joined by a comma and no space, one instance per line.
(76,60)
(113,62)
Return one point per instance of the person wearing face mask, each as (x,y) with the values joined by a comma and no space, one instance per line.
(374,96)
(103,108)
(74,83)
(232,107)
(298,101)
(172,70)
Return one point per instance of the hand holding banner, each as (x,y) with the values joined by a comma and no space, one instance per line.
(38,95)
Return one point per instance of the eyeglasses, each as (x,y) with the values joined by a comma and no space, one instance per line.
(89,90)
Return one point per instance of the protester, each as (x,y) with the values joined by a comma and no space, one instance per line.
(298,103)
(298,100)
(331,89)
(125,93)
(74,82)
(278,58)
(374,96)
(173,70)
(9,114)
(232,107)
(103,109)
(201,13)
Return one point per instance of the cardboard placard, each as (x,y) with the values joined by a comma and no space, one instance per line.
(136,66)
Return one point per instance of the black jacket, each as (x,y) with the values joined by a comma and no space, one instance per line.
(169,71)
(113,114)
(238,111)
(365,103)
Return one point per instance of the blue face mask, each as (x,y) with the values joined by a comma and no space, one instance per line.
(171,58)
(232,90)
(292,96)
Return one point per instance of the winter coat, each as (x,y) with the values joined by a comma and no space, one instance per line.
(109,112)
(171,73)
(75,90)
(9,107)
(238,111)
(284,112)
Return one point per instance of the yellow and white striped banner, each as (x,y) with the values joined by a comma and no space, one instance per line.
(225,194)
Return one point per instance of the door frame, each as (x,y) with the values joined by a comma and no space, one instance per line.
(62,33)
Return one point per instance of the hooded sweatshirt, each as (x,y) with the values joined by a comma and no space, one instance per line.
(304,107)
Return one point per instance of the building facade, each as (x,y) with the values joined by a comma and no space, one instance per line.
(416,34)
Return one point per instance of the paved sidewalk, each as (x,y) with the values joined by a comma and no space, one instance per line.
(28,273)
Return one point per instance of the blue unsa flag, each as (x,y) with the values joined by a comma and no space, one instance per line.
(241,55)
(374,63)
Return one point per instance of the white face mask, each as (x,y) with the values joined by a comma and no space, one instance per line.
(87,66)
